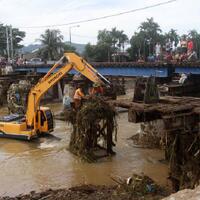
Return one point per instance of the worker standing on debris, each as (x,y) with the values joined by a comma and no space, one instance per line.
(78,96)
(67,101)
(69,91)
(97,90)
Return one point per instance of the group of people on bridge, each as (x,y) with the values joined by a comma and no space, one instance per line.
(180,52)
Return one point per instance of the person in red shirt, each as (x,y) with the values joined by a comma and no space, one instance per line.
(190,46)
(97,90)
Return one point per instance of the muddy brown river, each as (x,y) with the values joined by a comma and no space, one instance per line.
(46,162)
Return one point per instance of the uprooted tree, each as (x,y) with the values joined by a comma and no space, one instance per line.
(94,126)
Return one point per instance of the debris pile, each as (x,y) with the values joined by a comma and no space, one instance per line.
(1,93)
(17,96)
(86,192)
(141,187)
(94,128)
(4,85)
(151,135)
(184,151)
(118,84)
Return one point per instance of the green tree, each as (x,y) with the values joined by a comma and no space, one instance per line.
(89,52)
(138,46)
(3,51)
(150,29)
(109,42)
(173,36)
(152,32)
(69,48)
(17,38)
(143,41)
(53,46)
(123,39)
(96,53)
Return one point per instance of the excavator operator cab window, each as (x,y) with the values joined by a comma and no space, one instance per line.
(42,117)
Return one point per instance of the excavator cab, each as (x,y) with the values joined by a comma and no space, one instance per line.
(44,120)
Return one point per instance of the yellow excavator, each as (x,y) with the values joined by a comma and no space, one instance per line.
(39,119)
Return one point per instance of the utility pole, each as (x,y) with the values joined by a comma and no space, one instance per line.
(7,42)
(70,34)
(70,37)
(11,43)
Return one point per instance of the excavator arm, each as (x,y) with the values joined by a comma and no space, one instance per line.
(67,62)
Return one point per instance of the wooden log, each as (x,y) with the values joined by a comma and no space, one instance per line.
(136,116)
(171,106)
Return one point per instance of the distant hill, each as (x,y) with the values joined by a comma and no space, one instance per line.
(30,48)
(79,47)
(34,47)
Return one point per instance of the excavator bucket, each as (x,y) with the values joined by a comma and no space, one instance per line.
(146,90)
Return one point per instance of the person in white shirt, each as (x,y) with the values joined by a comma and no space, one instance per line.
(158,50)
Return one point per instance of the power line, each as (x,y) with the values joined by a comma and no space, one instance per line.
(103,17)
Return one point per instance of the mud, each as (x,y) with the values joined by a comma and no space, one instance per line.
(89,192)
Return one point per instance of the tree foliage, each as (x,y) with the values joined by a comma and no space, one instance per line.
(69,48)
(109,42)
(143,41)
(53,46)
(17,38)
(172,35)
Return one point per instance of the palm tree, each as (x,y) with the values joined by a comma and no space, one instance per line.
(52,44)
(119,38)
(152,32)
(105,40)
(173,36)
(115,36)
(122,40)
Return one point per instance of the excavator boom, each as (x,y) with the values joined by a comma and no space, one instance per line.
(71,61)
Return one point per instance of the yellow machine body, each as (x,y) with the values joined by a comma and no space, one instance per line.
(15,126)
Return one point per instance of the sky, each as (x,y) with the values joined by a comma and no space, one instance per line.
(182,15)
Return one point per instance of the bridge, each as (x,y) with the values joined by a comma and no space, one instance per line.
(129,69)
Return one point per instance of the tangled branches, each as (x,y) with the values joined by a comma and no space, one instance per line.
(93,128)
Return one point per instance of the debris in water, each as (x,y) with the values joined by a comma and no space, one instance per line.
(151,135)
(17,96)
(184,159)
(139,187)
(94,126)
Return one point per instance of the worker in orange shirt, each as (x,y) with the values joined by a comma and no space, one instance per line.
(97,90)
(78,96)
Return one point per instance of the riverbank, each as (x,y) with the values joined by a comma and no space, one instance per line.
(87,192)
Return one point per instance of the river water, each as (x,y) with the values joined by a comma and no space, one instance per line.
(46,162)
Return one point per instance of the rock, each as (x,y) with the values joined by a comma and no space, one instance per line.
(186,194)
